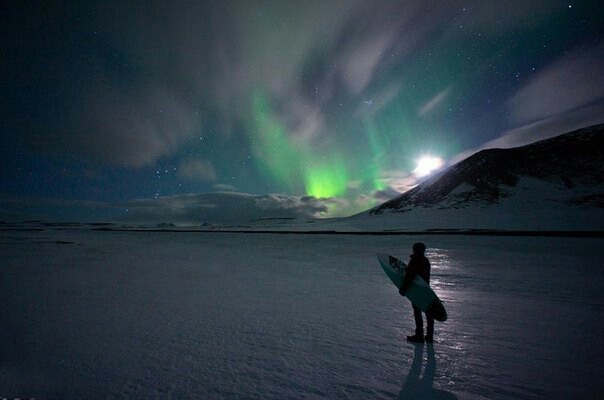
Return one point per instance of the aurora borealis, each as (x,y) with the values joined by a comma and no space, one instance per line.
(317,108)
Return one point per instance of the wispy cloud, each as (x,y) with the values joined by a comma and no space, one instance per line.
(565,96)
(540,130)
(147,80)
(434,102)
(573,81)
(224,187)
(398,180)
(194,169)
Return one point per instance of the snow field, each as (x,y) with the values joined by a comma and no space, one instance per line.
(91,314)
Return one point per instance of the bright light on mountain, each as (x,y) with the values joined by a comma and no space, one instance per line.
(426,165)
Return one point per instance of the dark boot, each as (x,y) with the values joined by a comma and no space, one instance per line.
(417,338)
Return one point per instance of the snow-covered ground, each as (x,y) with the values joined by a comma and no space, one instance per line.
(89,314)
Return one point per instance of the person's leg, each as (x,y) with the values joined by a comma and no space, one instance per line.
(419,321)
(419,326)
(429,328)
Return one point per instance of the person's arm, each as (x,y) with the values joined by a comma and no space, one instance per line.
(410,273)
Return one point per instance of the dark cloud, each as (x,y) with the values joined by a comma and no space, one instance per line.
(224,207)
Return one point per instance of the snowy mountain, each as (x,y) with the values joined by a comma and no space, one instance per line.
(556,183)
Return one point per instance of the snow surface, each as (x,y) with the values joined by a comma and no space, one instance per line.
(92,314)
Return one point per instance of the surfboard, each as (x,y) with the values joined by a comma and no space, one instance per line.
(419,293)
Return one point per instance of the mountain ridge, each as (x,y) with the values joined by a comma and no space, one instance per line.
(568,161)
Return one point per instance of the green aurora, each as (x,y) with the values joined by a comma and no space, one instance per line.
(298,165)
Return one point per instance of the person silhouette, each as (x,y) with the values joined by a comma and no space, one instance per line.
(418,265)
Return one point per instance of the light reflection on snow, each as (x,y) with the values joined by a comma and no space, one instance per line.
(441,271)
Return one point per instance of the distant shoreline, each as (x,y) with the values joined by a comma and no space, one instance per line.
(386,233)
(431,232)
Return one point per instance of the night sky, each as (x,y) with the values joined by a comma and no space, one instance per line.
(226,110)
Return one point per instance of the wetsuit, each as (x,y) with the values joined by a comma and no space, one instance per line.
(418,265)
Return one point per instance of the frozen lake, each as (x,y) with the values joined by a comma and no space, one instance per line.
(90,314)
